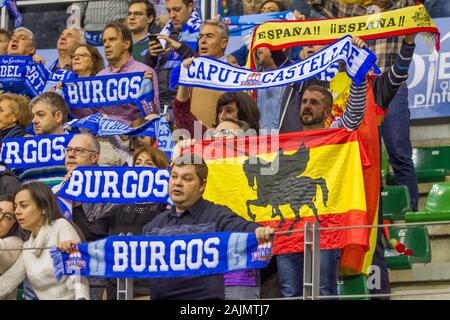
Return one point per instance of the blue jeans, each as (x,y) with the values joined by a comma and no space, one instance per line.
(395,131)
(290,273)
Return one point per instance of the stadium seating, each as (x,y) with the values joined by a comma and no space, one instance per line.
(414,238)
(432,164)
(396,202)
(437,206)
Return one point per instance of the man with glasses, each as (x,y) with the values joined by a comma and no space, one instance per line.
(84,151)
(68,40)
(141,16)
(118,45)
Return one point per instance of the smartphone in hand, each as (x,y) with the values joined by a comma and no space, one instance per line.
(154,37)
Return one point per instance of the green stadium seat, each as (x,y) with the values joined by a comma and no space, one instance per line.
(20,294)
(396,202)
(437,206)
(384,162)
(432,163)
(353,285)
(414,238)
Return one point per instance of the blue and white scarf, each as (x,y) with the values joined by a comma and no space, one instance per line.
(163,256)
(189,35)
(117,185)
(164,136)
(19,74)
(212,74)
(35,152)
(11,5)
(103,127)
(109,90)
(65,206)
(243,25)
(57,76)
(94,38)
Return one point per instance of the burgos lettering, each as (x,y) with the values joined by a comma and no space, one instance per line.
(109,184)
(33,151)
(180,255)
(99,90)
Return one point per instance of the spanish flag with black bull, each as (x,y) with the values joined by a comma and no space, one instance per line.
(288,179)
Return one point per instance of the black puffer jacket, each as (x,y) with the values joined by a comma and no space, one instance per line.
(9,184)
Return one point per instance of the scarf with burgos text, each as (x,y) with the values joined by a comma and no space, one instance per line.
(35,152)
(109,91)
(216,75)
(116,185)
(163,256)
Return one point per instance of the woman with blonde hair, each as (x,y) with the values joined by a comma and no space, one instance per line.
(15,115)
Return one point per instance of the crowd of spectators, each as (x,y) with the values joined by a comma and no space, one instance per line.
(136,39)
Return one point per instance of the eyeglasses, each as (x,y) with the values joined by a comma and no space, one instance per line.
(81,55)
(78,151)
(7,216)
(136,13)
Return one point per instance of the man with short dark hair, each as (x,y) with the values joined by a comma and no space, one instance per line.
(141,16)
(49,113)
(118,45)
(192,214)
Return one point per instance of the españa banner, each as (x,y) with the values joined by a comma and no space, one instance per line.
(283,181)
(284,34)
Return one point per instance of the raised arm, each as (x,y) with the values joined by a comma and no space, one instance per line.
(184,118)
(386,86)
(337,9)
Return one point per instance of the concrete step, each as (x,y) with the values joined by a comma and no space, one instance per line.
(414,287)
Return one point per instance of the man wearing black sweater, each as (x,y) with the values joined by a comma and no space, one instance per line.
(192,214)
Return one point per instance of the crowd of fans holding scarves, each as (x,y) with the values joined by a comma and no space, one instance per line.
(104,171)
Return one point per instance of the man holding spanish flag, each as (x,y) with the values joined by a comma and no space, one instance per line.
(315,109)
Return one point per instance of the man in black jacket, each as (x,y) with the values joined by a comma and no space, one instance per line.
(192,214)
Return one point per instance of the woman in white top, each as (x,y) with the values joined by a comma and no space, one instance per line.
(37,211)
(11,237)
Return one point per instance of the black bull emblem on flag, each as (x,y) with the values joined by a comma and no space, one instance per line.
(286,187)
